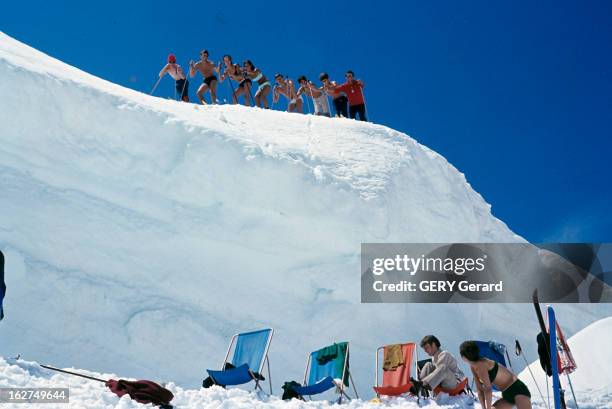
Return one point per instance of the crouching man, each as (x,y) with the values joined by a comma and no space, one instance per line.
(443,369)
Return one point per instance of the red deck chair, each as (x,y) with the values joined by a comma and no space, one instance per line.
(397,381)
(457,390)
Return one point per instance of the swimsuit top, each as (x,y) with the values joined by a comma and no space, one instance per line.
(493,372)
(236,69)
(258,76)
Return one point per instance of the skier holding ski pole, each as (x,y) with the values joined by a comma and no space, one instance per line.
(234,72)
(339,100)
(319,99)
(176,72)
(354,90)
(207,69)
(285,87)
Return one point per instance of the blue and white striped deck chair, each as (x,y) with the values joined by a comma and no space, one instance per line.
(322,377)
(250,356)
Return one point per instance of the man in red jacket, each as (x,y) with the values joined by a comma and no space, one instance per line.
(354,91)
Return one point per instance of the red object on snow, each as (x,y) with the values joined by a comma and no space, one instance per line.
(141,391)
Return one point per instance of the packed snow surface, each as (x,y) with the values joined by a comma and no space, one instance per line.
(141,233)
(87,394)
(592,392)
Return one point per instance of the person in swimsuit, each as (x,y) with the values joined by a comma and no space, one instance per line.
(285,87)
(487,372)
(339,99)
(263,85)
(207,69)
(234,72)
(177,74)
(319,99)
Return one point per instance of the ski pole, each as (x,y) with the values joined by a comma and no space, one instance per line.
(231,86)
(519,352)
(365,105)
(329,107)
(184,85)
(250,94)
(155,86)
(314,107)
(509,362)
(247,85)
(308,104)
(73,373)
(572,389)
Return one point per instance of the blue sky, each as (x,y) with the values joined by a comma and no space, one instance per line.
(517,95)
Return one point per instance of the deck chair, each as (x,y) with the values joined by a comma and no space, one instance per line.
(320,377)
(461,387)
(396,382)
(250,356)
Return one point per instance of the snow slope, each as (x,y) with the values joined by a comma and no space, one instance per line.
(592,379)
(141,233)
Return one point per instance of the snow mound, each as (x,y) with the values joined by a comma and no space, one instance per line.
(141,233)
(87,394)
(592,379)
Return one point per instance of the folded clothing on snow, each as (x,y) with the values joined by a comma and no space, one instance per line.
(289,390)
(141,391)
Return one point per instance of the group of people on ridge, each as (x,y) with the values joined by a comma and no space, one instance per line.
(444,371)
(347,98)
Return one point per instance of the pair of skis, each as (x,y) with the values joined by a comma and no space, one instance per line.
(559,354)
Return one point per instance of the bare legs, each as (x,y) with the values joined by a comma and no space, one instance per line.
(296,106)
(261,96)
(213,92)
(244,89)
(203,88)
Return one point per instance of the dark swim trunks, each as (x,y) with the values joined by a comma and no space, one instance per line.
(182,88)
(209,80)
(517,388)
(241,83)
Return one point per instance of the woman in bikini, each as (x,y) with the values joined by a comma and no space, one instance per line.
(263,85)
(487,372)
(234,72)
